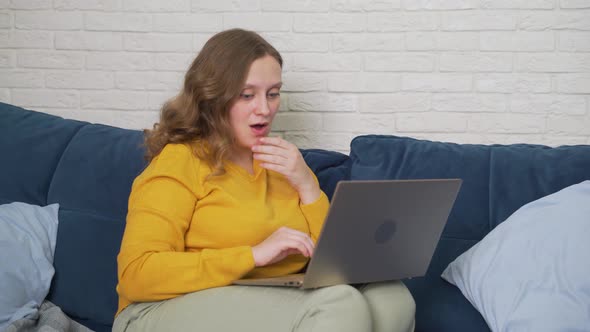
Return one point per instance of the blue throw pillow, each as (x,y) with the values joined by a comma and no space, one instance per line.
(27,240)
(531,273)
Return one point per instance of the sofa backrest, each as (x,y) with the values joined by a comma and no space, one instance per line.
(497,180)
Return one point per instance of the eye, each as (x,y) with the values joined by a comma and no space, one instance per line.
(246,96)
(274,95)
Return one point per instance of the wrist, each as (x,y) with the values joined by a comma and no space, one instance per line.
(309,195)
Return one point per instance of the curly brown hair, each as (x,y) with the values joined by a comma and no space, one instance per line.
(199,114)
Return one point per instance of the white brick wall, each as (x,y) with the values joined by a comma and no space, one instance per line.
(468,71)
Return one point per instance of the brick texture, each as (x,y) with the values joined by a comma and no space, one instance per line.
(467,71)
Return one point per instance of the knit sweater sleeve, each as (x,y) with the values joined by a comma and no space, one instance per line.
(315,214)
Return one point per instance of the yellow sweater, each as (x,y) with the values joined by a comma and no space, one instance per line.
(185,234)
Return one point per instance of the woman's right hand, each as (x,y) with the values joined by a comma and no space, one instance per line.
(280,244)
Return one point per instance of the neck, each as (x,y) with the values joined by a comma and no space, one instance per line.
(243,159)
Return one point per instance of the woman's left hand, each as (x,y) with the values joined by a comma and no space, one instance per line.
(283,157)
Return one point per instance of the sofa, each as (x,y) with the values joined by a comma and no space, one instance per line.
(89,168)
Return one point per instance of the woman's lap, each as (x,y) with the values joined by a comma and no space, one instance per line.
(248,308)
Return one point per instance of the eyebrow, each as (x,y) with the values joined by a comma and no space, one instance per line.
(251,86)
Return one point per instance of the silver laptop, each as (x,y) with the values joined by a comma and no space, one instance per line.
(376,231)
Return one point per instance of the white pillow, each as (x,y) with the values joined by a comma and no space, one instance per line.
(532,272)
(27,243)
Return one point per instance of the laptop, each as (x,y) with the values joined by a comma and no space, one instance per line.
(375,231)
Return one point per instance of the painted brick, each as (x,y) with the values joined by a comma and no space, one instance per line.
(29,4)
(439,4)
(290,121)
(517,4)
(258,22)
(368,42)
(48,20)
(574,3)
(360,123)
(573,83)
(98,5)
(475,103)
(553,63)
(478,20)
(574,41)
(45,98)
(537,21)
(114,100)
(384,22)
(157,6)
(412,62)
(482,62)
(437,82)
(330,141)
(431,122)
(149,80)
(365,5)
(364,82)
(159,42)
(514,123)
(295,6)
(320,102)
(88,40)
(203,6)
(50,59)
(329,23)
(5,96)
(574,20)
(568,125)
(157,99)
(26,39)
(173,61)
(395,102)
(547,103)
(517,41)
(326,62)
(117,22)
(508,83)
(421,40)
(7,58)
(5,20)
(21,79)
(119,61)
(457,41)
(200,39)
(80,80)
(304,82)
(187,22)
(299,42)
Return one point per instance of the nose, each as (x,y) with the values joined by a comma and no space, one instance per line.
(262,108)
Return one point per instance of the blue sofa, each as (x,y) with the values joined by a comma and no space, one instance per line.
(89,168)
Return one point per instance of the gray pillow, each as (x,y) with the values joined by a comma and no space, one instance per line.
(27,243)
(531,273)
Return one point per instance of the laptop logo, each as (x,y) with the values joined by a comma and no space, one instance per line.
(385,231)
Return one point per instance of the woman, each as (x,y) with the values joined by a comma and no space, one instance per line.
(220,201)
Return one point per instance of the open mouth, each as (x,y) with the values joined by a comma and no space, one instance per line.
(259,126)
(260,129)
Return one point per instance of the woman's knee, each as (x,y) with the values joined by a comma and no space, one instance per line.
(336,308)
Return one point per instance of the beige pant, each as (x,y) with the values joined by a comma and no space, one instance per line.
(377,307)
